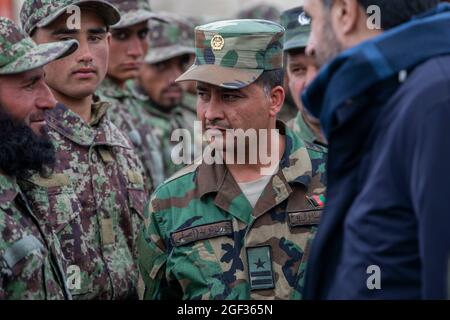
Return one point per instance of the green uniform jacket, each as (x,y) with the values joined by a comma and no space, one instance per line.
(127,114)
(94,201)
(201,228)
(30,259)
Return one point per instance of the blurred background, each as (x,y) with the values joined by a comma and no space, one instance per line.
(203,9)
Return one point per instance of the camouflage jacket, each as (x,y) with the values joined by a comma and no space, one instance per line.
(181,117)
(201,228)
(30,267)
(93,200)
(127,114)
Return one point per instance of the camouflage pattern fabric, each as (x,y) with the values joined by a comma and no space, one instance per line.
(41,13)
(147,137)
(261,11)
(298,28)
(132,12)
(93,200)
(233,54)
(170,39)
(301,128)
(30,259)
(200,226)
(18,53)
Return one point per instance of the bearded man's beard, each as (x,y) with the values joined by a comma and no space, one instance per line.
(22,152)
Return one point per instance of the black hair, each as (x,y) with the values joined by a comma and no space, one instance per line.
(270,79)
(395,12)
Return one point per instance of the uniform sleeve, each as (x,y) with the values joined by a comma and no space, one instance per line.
(152,256)
(430,195)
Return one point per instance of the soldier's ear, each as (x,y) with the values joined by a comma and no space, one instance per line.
(277,96)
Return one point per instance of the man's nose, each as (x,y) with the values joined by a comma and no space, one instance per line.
(46,100)
(135,47)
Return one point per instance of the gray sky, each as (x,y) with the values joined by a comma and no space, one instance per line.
(210,8)
(216,8)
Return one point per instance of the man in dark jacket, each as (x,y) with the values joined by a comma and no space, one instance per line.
(384,105)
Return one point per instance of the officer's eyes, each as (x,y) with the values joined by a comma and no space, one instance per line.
(230,97)
(143,34)
(299,71)
(95,38)
(121,36)
(32,83)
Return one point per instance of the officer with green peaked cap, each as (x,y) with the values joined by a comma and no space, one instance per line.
(233,54)
(31,263)
(225,229)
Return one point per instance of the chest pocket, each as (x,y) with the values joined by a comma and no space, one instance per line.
(54,200)
(55,203)
(196,255)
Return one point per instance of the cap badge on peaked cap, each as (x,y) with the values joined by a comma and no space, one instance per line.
(217,42)
(303,19)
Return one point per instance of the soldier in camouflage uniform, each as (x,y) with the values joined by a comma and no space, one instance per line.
(129,45)
(93,198)
(225,231)
(301,70)
(160,96)
(30,256)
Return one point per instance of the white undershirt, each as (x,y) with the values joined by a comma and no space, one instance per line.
(254,189)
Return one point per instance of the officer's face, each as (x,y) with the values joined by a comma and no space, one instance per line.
(248,108)
(301,70)
(323,43)
(127,52)
(77,76)
(25,97)
(158,81)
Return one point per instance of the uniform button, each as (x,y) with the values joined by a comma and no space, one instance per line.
(94,157)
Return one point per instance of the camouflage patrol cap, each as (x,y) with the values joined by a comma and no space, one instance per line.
(170,39)
(298,28)
(132,12)
(40,13)
(261,11)
(18,53)
(233,54)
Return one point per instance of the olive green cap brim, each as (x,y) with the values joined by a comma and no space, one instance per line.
(39,56)
(107,11)
(299,42)
(156,55)
(224,77)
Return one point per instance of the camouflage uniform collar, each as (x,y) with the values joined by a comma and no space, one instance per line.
(73,127)
(9,190)
(295,168)
(110,89)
